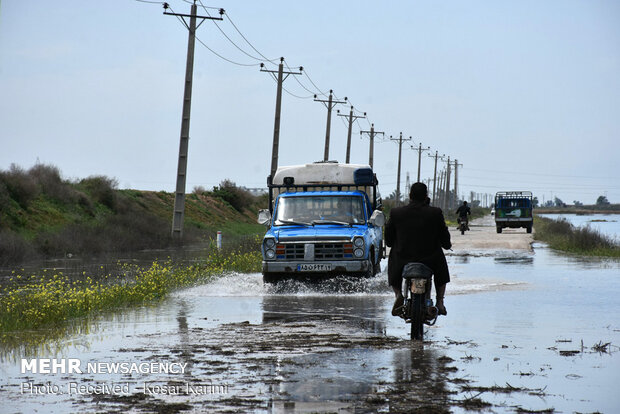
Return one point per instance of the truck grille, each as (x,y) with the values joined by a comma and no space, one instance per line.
(322,251)
(327,251)
(293,251)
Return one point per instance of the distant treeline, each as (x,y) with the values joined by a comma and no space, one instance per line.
(44,215)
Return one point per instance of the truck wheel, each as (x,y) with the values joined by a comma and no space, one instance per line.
(499,229)
(529,228)
(271,278)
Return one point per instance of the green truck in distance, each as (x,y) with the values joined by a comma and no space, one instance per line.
(513,209)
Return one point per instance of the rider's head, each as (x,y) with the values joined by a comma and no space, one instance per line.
(418,192)
(464,203)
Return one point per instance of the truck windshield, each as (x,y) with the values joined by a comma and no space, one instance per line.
(313,210)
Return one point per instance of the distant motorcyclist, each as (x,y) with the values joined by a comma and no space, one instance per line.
(463,212)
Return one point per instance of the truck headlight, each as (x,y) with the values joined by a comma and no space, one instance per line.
(269,243)
(358,253)
(270,254)
(358,242)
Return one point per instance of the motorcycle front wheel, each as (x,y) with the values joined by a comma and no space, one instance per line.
(417,317)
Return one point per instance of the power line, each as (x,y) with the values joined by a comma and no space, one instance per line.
(247,41)
(222,57)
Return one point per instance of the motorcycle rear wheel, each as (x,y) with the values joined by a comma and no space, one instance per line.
(417,317)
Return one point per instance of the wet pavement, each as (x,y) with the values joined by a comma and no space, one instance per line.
(525,332)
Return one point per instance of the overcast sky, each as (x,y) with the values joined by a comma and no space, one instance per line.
(525,94)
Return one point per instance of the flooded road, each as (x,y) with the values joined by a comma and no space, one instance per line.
(527,331)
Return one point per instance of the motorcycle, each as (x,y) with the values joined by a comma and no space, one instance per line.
(418,308)
(463,224)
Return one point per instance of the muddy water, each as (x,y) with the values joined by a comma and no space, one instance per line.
(523,331)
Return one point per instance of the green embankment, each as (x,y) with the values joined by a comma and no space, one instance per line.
(43,215)
(562,235)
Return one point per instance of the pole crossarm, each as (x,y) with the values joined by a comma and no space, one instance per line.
(166,6)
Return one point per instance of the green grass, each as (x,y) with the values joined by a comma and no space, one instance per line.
(562,235)
(53,300)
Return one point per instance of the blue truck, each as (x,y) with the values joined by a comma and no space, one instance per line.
(323,219)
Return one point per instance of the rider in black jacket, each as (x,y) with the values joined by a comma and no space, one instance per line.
(462,212)
(417,232)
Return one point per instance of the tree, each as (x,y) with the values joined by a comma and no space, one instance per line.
(535,202)
(602,201)
(577,203)
(558,202)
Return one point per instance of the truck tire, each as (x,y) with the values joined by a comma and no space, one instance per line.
(271,278)
(529,228)
(499,229)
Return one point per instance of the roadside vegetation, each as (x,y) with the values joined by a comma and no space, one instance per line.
(43,215)
(561,235)
(52,300)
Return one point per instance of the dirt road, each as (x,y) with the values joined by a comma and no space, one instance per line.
(483,236)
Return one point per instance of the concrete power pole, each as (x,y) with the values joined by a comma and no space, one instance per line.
(447,198)
(436,157)
(440,194)
(456,181)
(179,199)
(420,151)
(276,126)
(329,104)
(351,118)
(372,134)
(400,152)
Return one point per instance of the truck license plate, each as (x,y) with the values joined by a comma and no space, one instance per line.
(314,267)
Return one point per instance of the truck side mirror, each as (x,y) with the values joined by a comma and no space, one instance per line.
(377,218)
(264,217)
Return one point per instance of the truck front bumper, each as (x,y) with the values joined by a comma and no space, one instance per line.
(343,266)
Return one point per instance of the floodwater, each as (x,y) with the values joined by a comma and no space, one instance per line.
(607,224)
(524,331)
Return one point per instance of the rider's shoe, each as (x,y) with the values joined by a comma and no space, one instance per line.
(441,309)
(398,304)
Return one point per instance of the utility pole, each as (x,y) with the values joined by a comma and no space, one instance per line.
(351,118)
(178,213)
(420,151)
(372,134)
(440,194)
(329,104)
(448,198)
(276,126)
(456,181)
(407,183)
(400,152)
(436,156)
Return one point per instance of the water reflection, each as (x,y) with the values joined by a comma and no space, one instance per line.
(420,376)
(515,260)
(359,312)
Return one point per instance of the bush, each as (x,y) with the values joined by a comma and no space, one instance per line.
(101,189)
(238,198)
(20,185)
(50,183)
